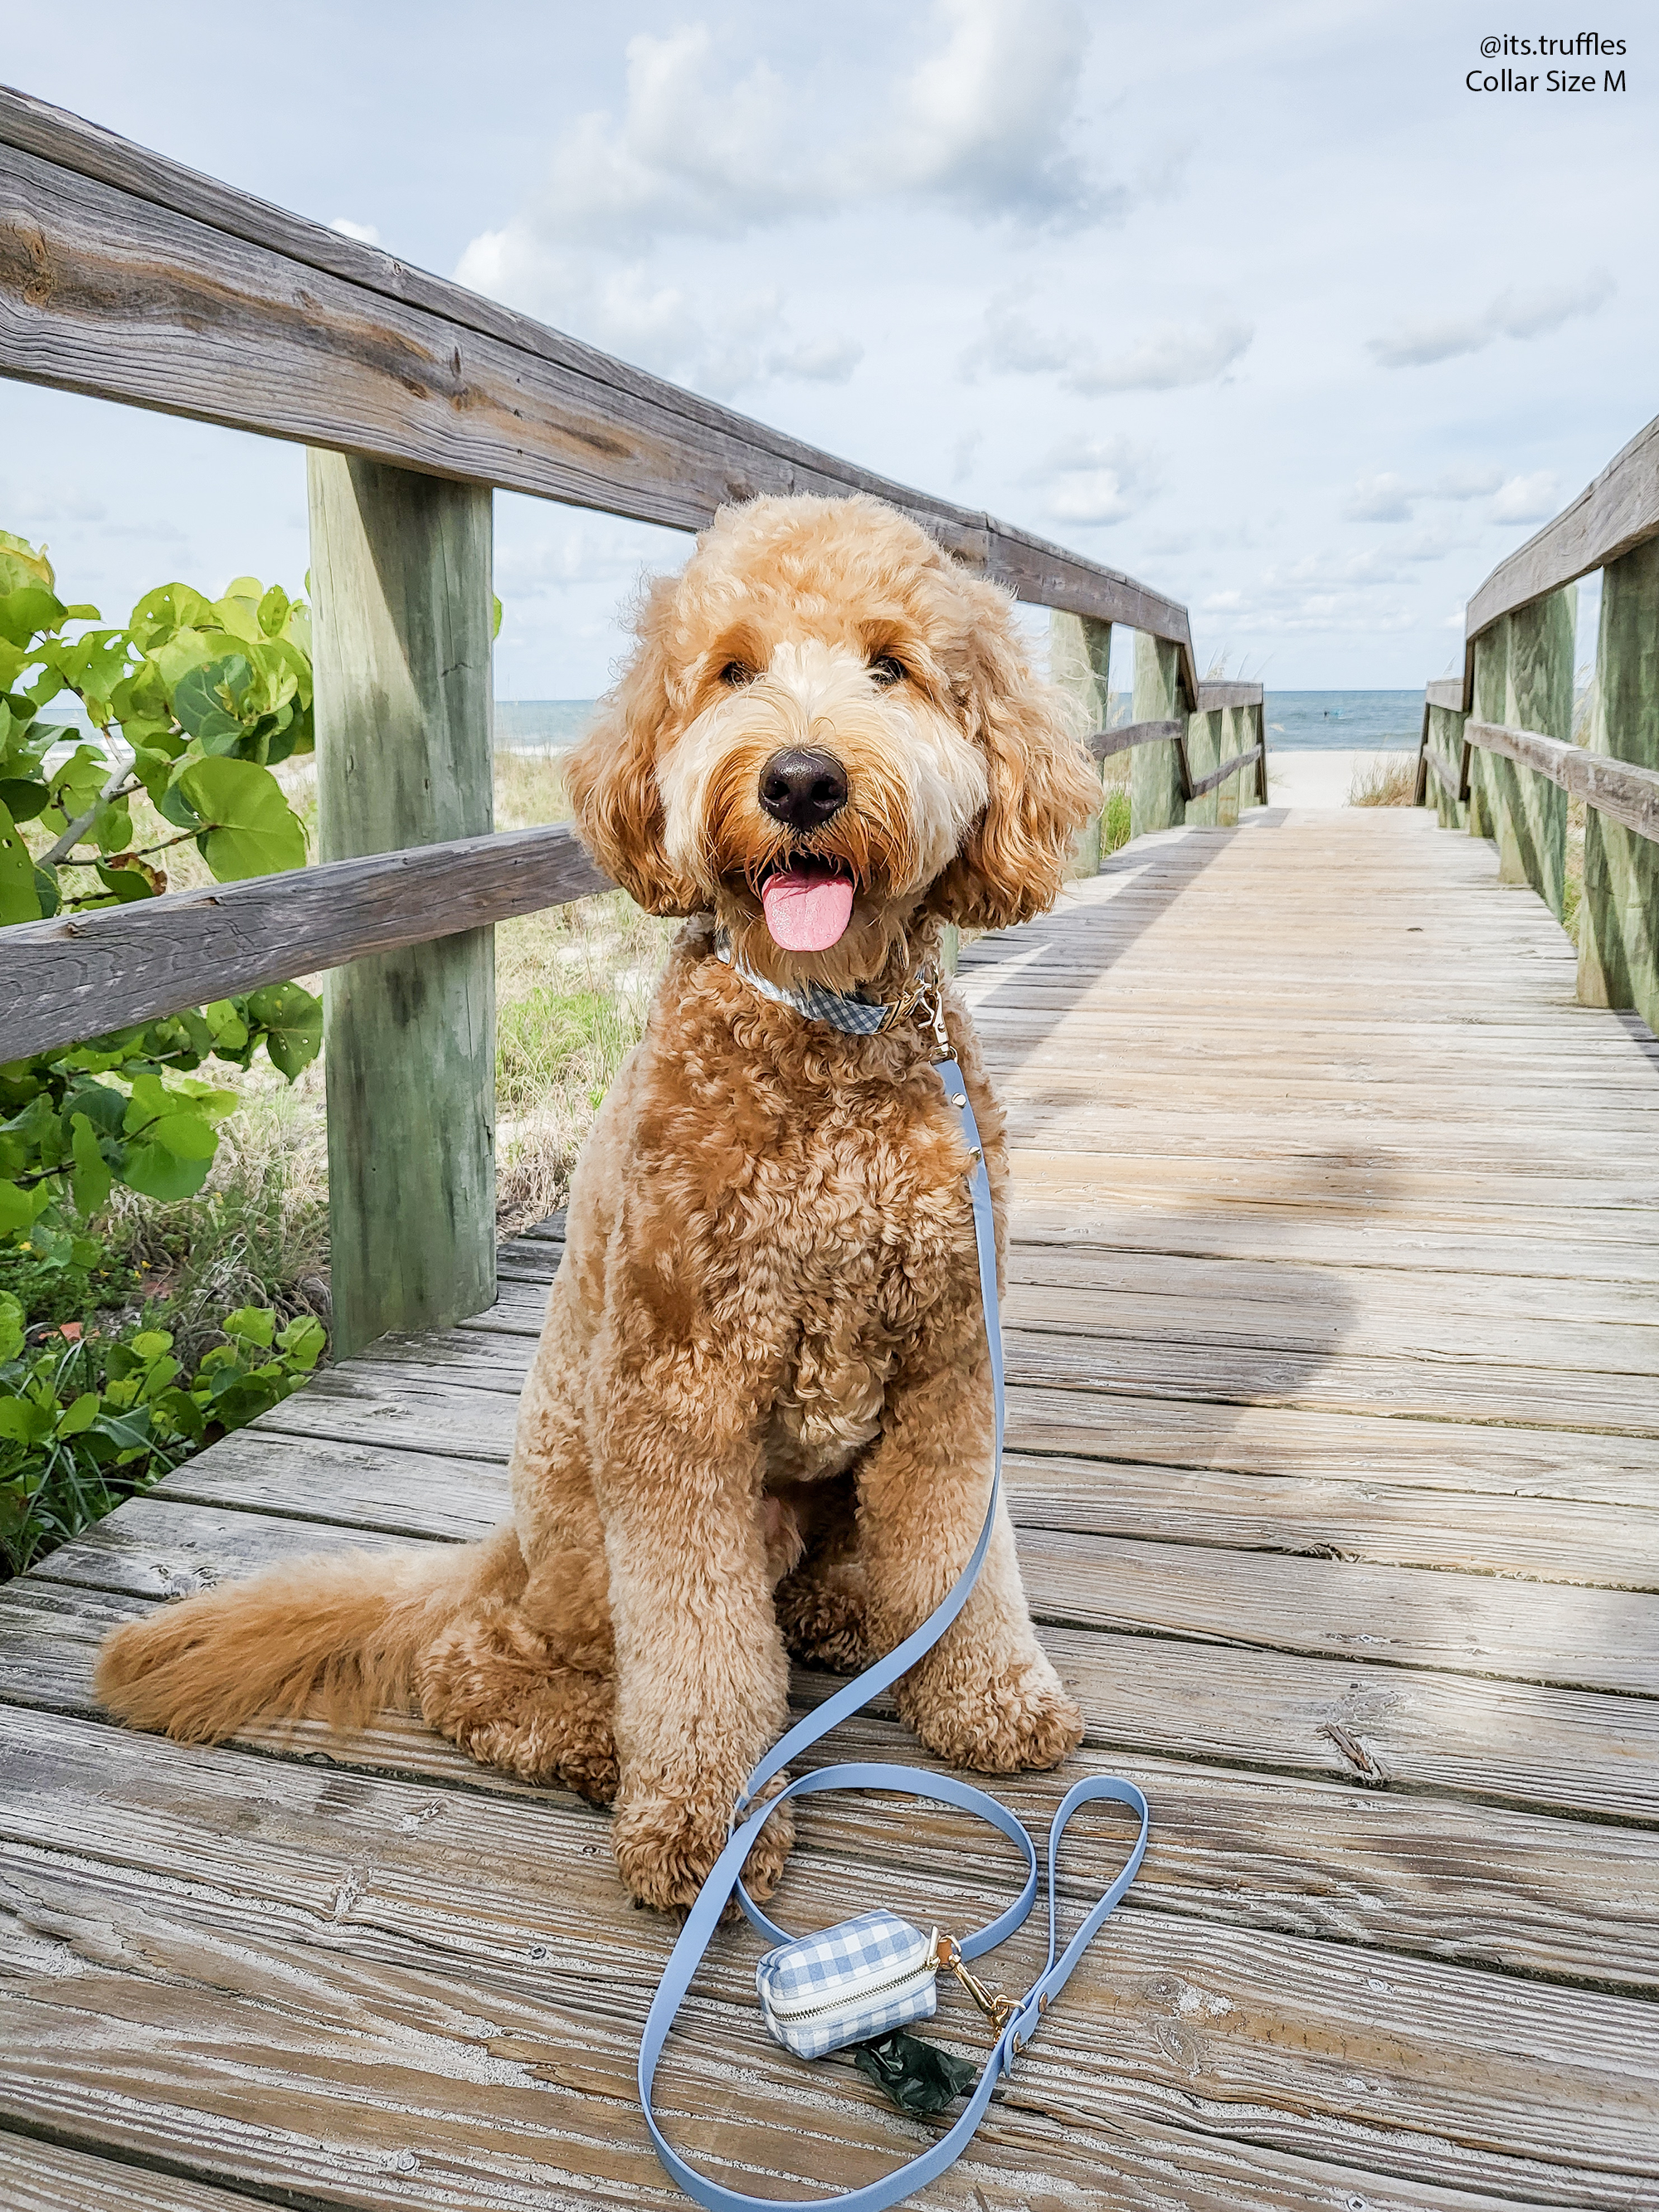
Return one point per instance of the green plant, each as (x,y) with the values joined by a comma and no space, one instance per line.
(1114,823)
(190,703)
(86,1422)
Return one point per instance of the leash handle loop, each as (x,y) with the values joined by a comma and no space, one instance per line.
(748,1817)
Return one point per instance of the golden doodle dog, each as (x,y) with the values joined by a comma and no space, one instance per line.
(760,1420)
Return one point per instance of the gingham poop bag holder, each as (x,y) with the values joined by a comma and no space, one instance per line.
(868,1976)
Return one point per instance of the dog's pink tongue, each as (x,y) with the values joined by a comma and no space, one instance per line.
(806,912)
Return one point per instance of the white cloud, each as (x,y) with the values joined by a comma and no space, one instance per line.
(1527,499)
(1163,359)
(1468,482)
(1098,480)
(364,233)
(829,361)
(1510,314)
(1166,359)
(707,146)
(713,142)
(1385,498)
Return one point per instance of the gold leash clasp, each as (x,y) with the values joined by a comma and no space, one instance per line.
(996,2008)
(930,1010)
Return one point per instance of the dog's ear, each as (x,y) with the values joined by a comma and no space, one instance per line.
(1042,786)
(611,776)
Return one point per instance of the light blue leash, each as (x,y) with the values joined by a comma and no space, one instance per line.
(1016,2021)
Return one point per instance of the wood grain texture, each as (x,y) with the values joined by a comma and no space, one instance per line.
(1618,511)
(1333,1446)
(1487,1741)
(1619,924)
(1216,777)
(1158,781)
(402,598)
(362,1885)
(1102,744)
(77,976)
(46,2176)
(130,277)
(1623,793)
(1080,666)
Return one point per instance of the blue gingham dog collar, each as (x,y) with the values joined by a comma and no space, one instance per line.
(847,1010)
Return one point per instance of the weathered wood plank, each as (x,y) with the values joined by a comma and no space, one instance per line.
(1471,1885)
(401,604)
(1617,512)
(1573,1638)
(77,976)
(1624,794)
(1158,780)
(171,1541)
(1102,744)
(1081,1352)
(44,2177)
(1079,666)
(168,290)
(484,2088)
(1619,918)
(1495,1741)
(389,1916)
(1217,776)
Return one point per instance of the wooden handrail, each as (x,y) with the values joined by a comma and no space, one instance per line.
(1616,513)
(1102,744)
(130,277)
(1213,697)
(82,975)
(1614,788)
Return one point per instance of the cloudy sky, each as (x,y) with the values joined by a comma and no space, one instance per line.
(1258,302)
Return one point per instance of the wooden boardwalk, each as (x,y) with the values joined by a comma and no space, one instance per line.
(1331,1337)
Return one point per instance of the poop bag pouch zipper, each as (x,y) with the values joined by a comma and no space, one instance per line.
(849,1983)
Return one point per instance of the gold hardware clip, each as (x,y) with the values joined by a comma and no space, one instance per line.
(996,2008)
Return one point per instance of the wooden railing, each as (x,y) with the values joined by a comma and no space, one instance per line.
(1497,743)
(126,277)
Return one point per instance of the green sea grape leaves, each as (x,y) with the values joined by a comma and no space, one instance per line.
(246,826)
(19,900)
(291,1019)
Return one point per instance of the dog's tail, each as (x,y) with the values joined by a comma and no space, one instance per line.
(336,1636)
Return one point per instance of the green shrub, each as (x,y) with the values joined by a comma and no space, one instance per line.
(192,703)
(1114,823)
(86,1421)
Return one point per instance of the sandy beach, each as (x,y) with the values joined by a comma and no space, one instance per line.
(1321,778)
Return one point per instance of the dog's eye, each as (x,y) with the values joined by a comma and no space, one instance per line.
(737,673)
(887,671)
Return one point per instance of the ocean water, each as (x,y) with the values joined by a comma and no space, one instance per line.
(1343,722)
(1298,721)
(541,726)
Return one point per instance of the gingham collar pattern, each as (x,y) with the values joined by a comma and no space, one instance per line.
(846,1010)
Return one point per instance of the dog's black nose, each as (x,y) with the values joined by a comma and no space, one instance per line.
(802,790)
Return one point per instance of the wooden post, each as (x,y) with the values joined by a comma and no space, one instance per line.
(1446,746)
(400,581)
(1155,800)
(1206,749)
(1237,731)
(1618,919)
(1079,657)
(1491,700)
(1539,680)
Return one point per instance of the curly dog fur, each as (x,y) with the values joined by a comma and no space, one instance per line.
(759,1418)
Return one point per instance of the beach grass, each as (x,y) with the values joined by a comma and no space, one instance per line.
(1387,779)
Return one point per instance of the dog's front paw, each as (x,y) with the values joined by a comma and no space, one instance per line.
(1019,1717)
(665,1845)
